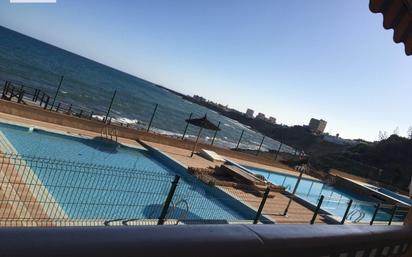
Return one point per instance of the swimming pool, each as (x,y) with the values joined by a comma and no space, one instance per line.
(335,199)
(118,181)
(398,197)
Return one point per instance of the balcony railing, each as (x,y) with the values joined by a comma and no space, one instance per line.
(207,240)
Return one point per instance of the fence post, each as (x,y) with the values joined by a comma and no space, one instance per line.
(34,95)
(375,213)
(151,119)
(110,106)
(293,193)
(57,92)
(187,125)
(47,102)
(395,208)
(91,115)
(37,95)
(315,214)
(240,139)
(41,99)
(169,198)
(5,89)
(346,212)
(36,92)
(80,114)
(12,92)
(260,146)
(21,94)
(277,153)
(214,136)
(70,109)
(262,204)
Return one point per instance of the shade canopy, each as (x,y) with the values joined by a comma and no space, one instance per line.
(397,15)
(203,123)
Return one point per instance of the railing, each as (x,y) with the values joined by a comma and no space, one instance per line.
(38,191)
(73,110)
(24,94)
(146,115)
(21,93)
(208,240)
(356,211)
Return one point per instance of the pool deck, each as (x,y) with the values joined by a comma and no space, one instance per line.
(274,206)
(15,120)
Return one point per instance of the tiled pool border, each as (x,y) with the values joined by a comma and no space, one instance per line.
(365,187)
(62,132)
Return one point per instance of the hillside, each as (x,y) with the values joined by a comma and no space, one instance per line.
(388,161)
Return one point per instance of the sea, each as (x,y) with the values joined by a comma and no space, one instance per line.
(90,85)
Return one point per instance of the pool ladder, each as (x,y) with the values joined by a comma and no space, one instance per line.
(109,132)
(184,212)
(361,214)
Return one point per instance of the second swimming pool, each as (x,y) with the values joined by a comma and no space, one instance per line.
(335,201)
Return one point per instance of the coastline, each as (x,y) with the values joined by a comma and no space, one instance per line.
(31,115)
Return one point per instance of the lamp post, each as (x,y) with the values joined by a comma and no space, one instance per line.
(110,106)
(57,92)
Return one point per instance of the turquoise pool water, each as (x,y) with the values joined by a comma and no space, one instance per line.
(336,199)
(137,188)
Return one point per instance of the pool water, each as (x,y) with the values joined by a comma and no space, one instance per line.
(402,198)
(136,188)
(335,199)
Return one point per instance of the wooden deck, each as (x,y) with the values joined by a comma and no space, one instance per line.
(274,207)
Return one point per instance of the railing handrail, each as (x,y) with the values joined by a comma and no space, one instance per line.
(205,240)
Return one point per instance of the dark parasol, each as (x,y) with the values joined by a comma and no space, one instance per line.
(202,123)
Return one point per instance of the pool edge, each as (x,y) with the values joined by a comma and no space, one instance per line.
(242,208)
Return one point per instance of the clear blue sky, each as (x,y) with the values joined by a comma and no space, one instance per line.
(292,59)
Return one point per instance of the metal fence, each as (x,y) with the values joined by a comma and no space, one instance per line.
(72,96)
(38,191)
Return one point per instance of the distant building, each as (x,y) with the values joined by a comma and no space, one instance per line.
(317,126)
(199,98)
(249,113)
(272,120)
(337,140)
(261,116)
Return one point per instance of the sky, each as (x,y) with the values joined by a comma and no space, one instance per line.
(294,60)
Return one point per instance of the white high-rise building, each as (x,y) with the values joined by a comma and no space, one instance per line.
(249,113)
